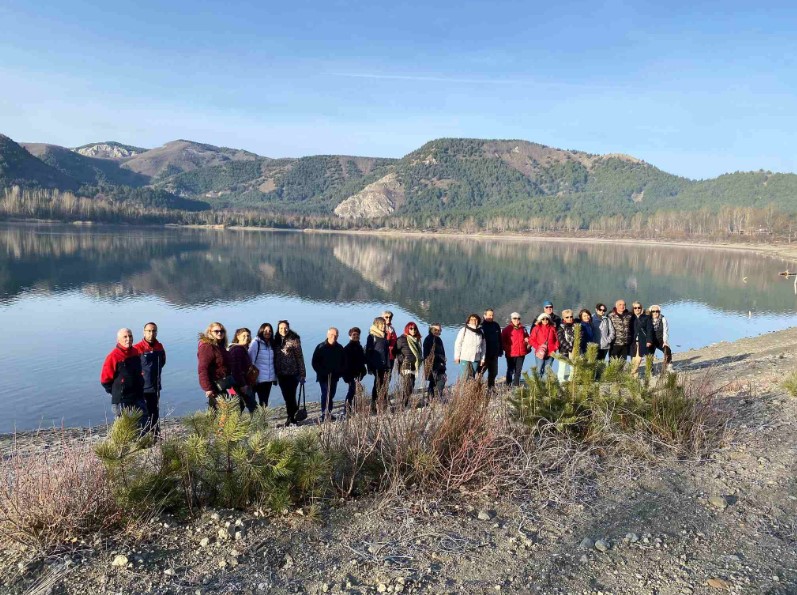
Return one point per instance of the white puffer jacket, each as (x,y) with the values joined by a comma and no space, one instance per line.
(470,345)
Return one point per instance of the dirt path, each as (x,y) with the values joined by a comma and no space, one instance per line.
(727,524)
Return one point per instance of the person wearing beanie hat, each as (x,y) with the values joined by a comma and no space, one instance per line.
(547,308)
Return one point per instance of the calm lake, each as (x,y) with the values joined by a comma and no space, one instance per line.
(65,291)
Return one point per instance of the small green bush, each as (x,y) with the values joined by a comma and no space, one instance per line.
(227,459)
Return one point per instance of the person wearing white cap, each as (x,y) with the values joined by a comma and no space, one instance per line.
(515,342)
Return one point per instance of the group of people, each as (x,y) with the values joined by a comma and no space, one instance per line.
(249,367)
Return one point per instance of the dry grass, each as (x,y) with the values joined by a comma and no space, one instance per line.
(55,496)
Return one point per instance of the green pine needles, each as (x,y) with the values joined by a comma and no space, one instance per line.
(601,399)
(227,459)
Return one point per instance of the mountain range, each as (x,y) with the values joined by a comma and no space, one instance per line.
(445,177)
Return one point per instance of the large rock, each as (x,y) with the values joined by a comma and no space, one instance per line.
(378,199)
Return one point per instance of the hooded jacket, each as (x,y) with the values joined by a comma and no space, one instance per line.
(514,340)
(121,375)
(604,331)
(262,355)
(542,334)
(213,363)
(661,330)
(153,358)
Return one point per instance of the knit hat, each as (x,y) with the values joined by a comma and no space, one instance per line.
(543,315)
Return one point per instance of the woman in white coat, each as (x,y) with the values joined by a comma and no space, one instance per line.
(470,348)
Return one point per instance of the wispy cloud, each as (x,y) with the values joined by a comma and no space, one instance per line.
(433,79)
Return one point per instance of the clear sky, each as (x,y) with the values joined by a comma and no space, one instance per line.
(696,88)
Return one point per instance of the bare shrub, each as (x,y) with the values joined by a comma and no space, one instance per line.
(53,497)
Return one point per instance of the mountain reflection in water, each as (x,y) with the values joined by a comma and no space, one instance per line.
(101,279)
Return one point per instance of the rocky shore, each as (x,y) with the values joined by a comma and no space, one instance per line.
(723,524)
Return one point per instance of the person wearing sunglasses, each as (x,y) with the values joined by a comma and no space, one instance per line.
(515,340)
(213,363)
(621,319)
(661,336)
(567,336)
(409,355)
(547,308)
(603,331)
(641,336)
(290,368)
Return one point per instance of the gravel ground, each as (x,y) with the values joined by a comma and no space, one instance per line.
(726,524)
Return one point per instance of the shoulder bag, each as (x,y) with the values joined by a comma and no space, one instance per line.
(301,412)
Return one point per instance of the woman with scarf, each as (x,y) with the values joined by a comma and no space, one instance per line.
(566,335)
(377,358)
(661,336)
(213,363)
(408,359)
(470,347)
(240,363)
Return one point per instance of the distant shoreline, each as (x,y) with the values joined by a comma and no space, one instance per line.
(787,251)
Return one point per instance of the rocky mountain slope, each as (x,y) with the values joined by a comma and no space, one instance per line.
(451,177)
(86,170)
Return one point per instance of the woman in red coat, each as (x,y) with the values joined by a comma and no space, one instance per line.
(213,364)
(515,341)
(544,342)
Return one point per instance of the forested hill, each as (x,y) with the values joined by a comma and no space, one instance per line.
(445,178)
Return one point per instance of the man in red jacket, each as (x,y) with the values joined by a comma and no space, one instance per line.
(121,375)
(515,343)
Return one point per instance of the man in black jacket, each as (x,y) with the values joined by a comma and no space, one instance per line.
(492,336)
(329,363)
(355,365)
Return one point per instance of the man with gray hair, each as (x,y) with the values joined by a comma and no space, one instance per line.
(121,376)
(329,363)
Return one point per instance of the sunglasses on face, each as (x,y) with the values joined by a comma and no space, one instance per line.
(601,309)
(218,330)
(655,311)
(568,318)
(637,307)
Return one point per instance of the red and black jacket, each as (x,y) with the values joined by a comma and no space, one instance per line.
(153,358)
(121,375)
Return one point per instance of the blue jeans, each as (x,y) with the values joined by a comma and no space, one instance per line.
(140,404)
(543,365)
(328,389)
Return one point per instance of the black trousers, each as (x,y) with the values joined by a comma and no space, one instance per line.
(665,349)
(620,351)
(514,369)
(263,390)
(437,382)
(288,385)
(602,354)
(245,398)
(491,365)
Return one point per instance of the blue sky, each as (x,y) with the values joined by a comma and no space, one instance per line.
(695,88)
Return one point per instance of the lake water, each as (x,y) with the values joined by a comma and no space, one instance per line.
(64,292)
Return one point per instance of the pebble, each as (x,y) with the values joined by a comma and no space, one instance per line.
(119,560)
(602,545)
(204,542)
(631,537)
(224,534)
(718,502)
(168,572)
(381,588)
(718,583)
(486,515)
(587,543)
